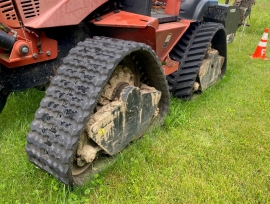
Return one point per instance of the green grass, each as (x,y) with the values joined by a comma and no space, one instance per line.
(214,149)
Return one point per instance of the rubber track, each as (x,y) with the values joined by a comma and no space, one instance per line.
(71,98)
(190,52)
(3,97)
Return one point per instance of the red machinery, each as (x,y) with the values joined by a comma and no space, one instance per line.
(109,67)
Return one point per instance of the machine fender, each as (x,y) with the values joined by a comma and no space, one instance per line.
(194,9)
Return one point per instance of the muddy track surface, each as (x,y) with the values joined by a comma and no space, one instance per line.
(72,96)
(190,52)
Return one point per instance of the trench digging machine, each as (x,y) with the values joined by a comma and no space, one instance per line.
(109,67)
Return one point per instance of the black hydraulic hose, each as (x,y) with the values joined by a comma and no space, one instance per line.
(6,41)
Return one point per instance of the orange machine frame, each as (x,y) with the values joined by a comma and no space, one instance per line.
(161,37)
(123,25)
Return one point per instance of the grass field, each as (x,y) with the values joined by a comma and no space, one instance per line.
(214,149)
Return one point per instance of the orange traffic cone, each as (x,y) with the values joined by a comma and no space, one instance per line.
(260,51)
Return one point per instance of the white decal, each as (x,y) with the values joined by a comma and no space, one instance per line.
(168,38)
(263,52)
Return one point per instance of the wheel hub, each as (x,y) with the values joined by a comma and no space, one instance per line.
(119,122)
(210,70)
(124,112)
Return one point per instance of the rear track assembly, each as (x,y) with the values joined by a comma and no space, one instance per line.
(191,51)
